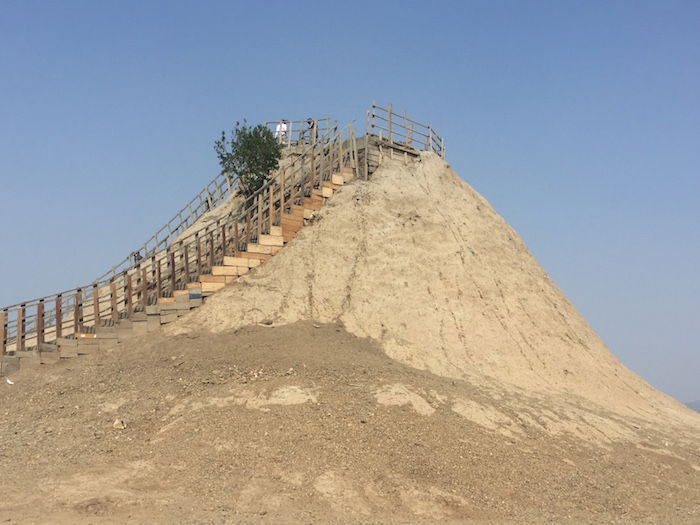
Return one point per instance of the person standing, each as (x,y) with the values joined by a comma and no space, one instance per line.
(281,131)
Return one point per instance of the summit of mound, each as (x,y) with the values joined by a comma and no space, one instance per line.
(418,261)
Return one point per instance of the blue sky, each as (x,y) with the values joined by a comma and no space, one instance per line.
(579,121)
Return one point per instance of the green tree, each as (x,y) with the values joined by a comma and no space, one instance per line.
(251,153)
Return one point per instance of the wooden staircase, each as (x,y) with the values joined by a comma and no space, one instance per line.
(107,334)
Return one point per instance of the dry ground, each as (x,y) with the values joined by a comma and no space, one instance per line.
(307,423)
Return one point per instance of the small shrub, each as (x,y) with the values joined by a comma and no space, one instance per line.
(251,153)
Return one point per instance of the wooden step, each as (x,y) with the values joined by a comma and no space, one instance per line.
(241,261)
(312,205)
(229,270)
(348,174)
(338,179)
(212,287)
(208,278)
(181,293)
(292,228)
(166,300)
(271,240)
(276,230)
(258,256)
(258,248)
(292,219)
(195,284)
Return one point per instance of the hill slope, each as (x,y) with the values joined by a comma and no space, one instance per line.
(309,424)
(418,261)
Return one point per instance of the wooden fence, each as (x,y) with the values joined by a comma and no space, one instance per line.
(32,323)
(397,128)
(300,132)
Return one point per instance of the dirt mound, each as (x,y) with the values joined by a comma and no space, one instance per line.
(309,424)
(419,262)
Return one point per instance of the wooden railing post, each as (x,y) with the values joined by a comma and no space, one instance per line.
(211,251)
(3,332)
(77,311)
(173,277)
(113,300)
(128,302)
(270,208)
(159,280)
(186,261)
(223,240)
(391,134)
(39,323)
(59,316)
(19,343)
(96,303)
(144,288)
(235,239)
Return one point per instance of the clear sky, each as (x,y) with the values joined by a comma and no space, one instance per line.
(578,120)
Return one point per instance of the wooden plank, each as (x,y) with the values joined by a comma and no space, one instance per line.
(276,230)
(338,179)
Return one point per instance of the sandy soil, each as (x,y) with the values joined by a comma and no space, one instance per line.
(418,261)
(309,424)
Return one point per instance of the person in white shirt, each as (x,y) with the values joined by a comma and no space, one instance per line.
(281,131)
